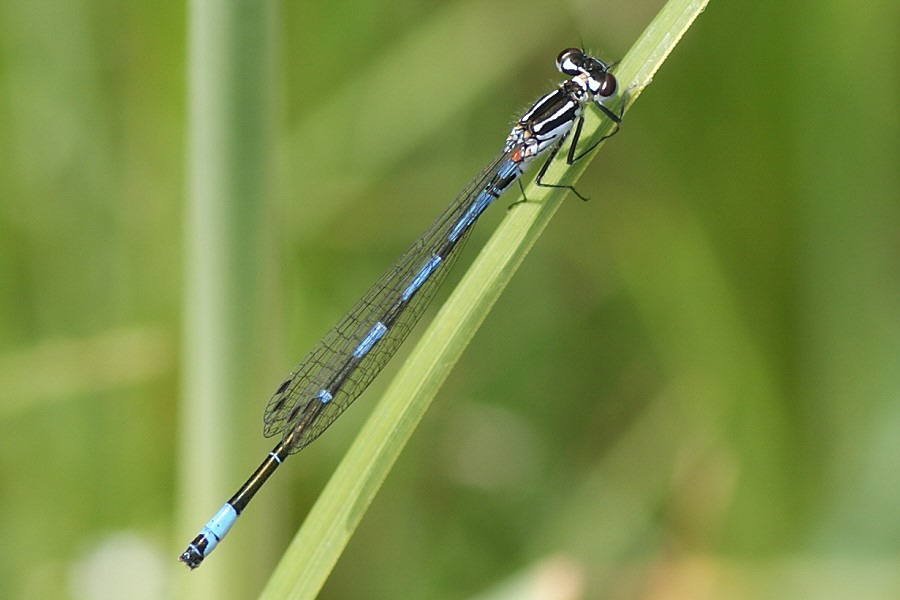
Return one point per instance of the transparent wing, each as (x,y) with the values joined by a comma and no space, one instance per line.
(295,408)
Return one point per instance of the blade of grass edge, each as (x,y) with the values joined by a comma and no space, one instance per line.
(319,543)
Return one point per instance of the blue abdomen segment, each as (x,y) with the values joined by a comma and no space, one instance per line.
(210,536)
(421,277)
(504,176)
(378,330)
(324,396)
(221,522)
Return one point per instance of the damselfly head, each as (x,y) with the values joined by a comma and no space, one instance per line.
(589,72)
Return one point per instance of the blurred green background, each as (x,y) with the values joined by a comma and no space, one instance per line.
(689,390)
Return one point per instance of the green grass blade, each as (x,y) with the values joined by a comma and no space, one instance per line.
(319,543)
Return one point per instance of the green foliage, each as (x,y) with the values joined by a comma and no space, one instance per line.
(689,387)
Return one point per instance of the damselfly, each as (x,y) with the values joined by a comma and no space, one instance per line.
(348,358)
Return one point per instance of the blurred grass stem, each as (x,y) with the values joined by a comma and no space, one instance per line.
(229,129)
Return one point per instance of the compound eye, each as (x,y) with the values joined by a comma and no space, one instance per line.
(568,60)
(607,86)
